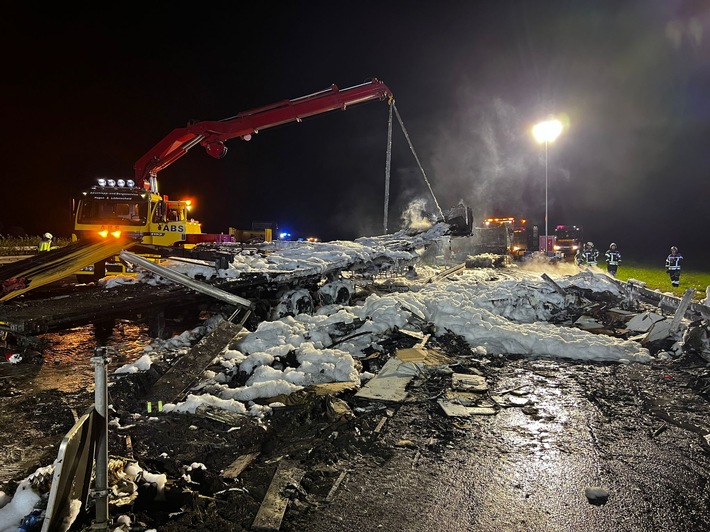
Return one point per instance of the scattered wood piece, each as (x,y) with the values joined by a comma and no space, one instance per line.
(381,424)
(462,398)
(469,383)
(413,354)
(337,410)
(414,334)
(274,505)
(240,464)
(518,401)
(499,400)
(176,381)
(453,409)
(336,484)
(520,390)
(482,411)
(659,430)
(423,341)
(129,447)
(221,415)
(389,384)
(332,388)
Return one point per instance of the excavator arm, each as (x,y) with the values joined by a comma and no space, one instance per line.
(212,134)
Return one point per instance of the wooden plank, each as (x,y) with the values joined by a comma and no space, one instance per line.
(453,409)
(175,382)
(389,384)
(412,354)
(235,469)
(468,383)
(274,505)
(332,491)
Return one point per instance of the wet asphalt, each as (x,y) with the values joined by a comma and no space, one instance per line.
(632,434)
(635,434)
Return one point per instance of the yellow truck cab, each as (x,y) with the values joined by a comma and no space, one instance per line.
(115,208)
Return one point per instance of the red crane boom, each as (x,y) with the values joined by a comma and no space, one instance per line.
(212,134)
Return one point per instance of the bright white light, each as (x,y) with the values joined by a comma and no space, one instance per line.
(547,131)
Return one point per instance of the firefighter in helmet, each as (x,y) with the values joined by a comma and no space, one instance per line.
(673,266)
(588,255)
(613,259)
(46,243)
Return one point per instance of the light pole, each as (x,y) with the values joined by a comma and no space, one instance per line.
(545,132)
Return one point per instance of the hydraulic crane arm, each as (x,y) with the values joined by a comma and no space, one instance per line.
(212,134)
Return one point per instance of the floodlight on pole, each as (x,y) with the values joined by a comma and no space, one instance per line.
(545,132)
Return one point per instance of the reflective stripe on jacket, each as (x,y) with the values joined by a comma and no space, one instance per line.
(673,262)
(613,258)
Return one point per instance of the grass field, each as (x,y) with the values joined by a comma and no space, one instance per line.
(25,245)
(656,278)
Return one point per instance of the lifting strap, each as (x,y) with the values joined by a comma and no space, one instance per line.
(388,167)
(389,156)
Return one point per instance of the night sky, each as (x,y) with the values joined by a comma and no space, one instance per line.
(88,88)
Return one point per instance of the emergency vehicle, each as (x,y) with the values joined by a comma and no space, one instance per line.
(134,207)
(568,240)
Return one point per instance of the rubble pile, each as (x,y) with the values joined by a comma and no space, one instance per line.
(281,414)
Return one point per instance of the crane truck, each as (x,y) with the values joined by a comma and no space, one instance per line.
(134,208)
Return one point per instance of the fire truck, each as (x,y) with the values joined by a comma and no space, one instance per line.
(505,236)
(512,234)
(134,207)
(568,240)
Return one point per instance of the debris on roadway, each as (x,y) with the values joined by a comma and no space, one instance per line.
(272,425)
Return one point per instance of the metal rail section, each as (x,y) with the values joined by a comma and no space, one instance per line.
(186,281)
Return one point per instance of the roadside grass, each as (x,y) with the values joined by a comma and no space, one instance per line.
(656,278)
(25,245)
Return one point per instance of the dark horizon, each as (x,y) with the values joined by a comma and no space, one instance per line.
(84,97)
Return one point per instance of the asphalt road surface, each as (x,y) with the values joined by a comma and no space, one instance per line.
(632,437)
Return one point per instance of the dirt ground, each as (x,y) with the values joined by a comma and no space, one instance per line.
(637,432)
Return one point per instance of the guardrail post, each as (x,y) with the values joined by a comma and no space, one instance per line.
(100,360)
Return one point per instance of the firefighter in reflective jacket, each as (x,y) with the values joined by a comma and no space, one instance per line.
(673,266)
(613,259)
(588,256)
(46,243)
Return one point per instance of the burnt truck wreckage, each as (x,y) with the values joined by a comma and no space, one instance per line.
(268,290)
(433,394)
(230,471)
